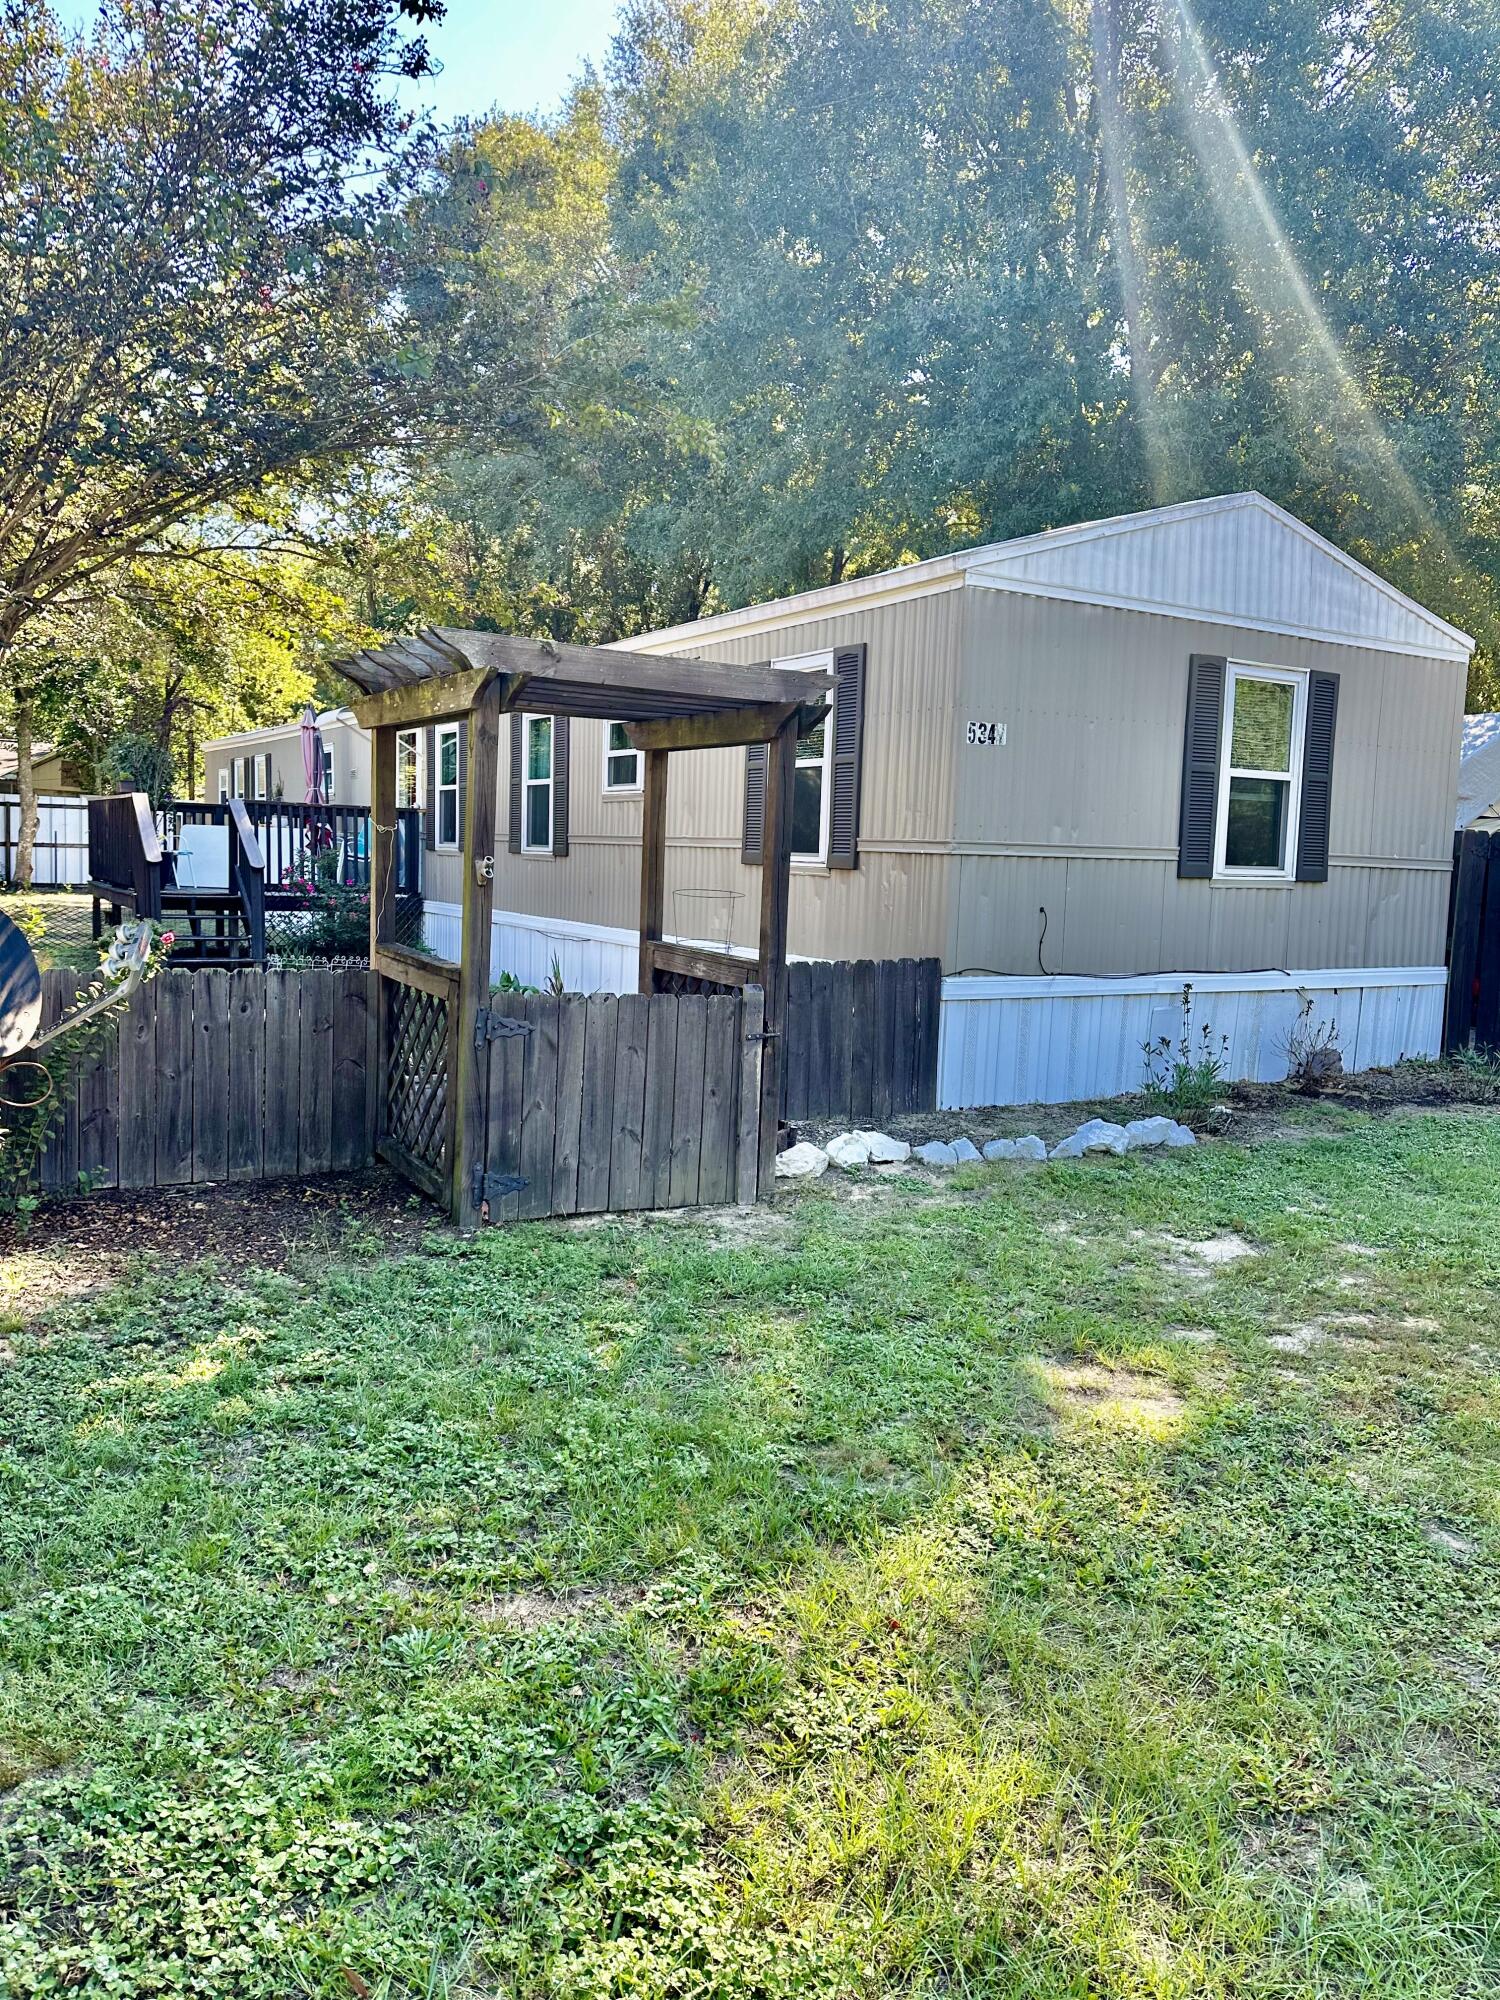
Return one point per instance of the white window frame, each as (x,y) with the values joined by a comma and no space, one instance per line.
(445,729)
(1296,679)
(224,781)
(414,737)
(805,663)
(528,784)
(637,783)
(328,775)
(260,768)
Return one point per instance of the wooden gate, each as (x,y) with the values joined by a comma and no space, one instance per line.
(617,1102)
(1474,944)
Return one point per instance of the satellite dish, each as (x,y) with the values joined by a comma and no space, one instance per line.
(20,991)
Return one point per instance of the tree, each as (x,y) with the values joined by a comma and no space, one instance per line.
(200,245)
(841,286)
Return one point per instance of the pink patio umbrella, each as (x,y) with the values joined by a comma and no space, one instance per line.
(312,757)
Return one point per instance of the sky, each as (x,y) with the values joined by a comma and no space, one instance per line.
(512,53)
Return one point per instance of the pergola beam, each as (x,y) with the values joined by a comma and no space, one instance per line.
(433,700)
(727,729)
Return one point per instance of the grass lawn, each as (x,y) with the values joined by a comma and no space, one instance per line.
(57,923)
(1081,1582)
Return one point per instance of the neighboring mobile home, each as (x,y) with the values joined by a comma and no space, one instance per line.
(267,763)
(1479,775)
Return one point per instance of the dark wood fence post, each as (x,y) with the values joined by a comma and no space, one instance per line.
(1471,866)
(468,1065)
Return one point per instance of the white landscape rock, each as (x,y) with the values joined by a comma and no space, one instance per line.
(801,1162)
(965,1150)
(1141,1132)
(882,1149)
(1029,1148)
(1097,1136)
(1181,1135)
(849,1151)
(937,1153)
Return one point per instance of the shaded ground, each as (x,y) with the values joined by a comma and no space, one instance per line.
(1081,1581)
(70,1248)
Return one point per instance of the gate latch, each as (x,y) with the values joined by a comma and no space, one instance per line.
(492,1027)
(486,1188)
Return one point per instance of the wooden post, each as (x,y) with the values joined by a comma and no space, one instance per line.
(653,861)
(468,1068)
(775,899)
(382,837)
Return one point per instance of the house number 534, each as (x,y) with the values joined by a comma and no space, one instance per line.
(988,733)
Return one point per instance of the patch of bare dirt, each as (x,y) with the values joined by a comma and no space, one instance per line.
(1293,1848)
(1196,1259)
(74,1248)
(533,1610)
(1449,1540)
(1096,1392)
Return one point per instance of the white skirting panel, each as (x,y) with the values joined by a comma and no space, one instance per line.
(592,958)
(1054,1041)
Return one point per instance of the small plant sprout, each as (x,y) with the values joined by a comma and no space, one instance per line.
(1188,1074)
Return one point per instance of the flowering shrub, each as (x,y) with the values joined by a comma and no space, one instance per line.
(328,921)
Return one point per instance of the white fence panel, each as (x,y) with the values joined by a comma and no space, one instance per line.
(1054,1041)
(591,958)
(61,855)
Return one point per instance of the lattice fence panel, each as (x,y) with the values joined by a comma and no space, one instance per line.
(417,1073)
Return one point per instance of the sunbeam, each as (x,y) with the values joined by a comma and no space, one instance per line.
(1274,284)
(1118,151)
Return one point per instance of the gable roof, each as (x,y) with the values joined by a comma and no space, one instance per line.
(1478,769)
(1236,559)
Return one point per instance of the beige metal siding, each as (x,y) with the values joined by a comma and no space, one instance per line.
(1077,813)
(896,900)
(351,762)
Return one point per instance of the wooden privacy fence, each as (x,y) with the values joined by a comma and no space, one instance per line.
(618,1102)
(861,1039)
(585,1103)
(219,1075)
(1474,944)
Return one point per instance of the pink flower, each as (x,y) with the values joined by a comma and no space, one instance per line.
(168,938)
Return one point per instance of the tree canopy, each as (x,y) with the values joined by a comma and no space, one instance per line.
(838,285)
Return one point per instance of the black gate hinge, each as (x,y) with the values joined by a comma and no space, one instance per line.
(490,1026)
(491,1187)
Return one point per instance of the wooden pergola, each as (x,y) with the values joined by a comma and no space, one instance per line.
(442,675)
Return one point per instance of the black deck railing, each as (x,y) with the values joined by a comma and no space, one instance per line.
(301,843)
(125,851)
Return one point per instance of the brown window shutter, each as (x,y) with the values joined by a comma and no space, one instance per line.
(514,840)
(463,782)
(1199,820)
(752,838)
(848,721)
(1314,822)
(561,752)
(429,801)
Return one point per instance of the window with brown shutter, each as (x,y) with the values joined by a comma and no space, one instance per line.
(848,720)
(1199,818)
(1316,819)
(826,774)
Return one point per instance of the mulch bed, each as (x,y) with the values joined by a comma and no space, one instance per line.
(70,1248)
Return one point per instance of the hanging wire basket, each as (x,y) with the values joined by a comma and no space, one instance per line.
(705,916)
